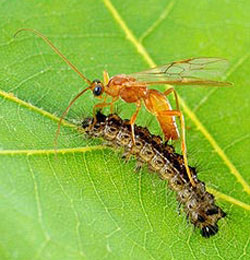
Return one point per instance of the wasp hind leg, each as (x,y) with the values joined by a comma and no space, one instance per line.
(172,90)
(179,114)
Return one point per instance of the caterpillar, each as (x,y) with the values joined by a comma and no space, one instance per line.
(161,158)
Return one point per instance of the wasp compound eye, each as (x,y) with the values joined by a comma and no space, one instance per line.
(96,81)
(97,90)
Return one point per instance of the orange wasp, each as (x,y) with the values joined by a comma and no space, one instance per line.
(133,88)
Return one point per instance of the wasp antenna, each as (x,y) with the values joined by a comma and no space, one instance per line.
(65,113)
(55,50)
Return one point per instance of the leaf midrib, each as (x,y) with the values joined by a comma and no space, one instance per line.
(142,50)
(52,117)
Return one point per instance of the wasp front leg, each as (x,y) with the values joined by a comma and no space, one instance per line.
(102,105)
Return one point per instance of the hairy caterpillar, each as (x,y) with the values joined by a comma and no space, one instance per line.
(160,157)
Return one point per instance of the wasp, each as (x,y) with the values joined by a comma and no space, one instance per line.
(134,88)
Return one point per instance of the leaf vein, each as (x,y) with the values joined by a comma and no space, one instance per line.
(218,194)
(161,18)
(141,49)
(142,205)
(11,97)
(38,203)
(53,151)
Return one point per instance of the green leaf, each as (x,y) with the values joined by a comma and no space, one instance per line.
(86,203)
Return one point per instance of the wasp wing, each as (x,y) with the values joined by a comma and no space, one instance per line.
(194,71)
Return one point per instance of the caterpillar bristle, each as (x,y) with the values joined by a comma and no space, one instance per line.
(161,158)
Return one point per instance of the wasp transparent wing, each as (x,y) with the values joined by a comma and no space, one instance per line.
(195,71)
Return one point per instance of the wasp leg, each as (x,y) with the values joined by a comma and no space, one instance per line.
(133,118)
(183,141)
(112,104)
(172,90)
(99,105)
(181,117)
(102,105)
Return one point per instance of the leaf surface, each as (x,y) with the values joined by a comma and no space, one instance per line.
(87,203)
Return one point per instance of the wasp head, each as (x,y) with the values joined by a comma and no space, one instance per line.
(97,87)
